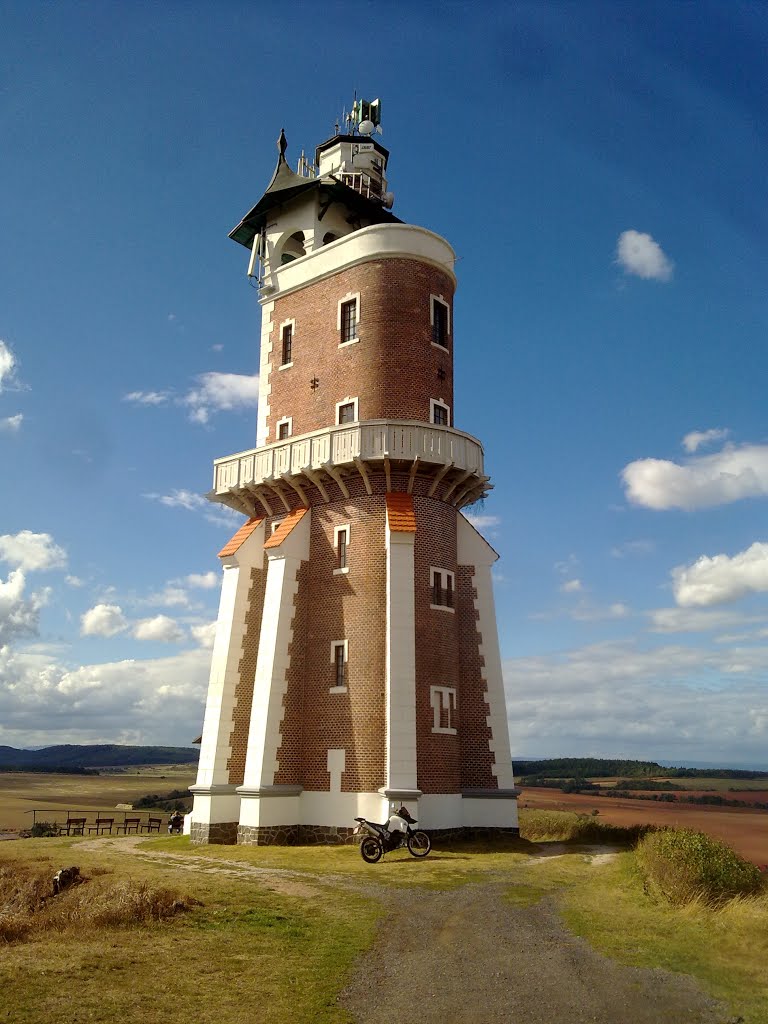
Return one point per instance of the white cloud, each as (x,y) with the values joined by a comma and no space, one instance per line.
(161,628)
(720,579)
(11,424)
(701,482)
(7,366)
(31,551)
(571,587)
(169,597)
(693,441)
(217,348)
(221,391)
(585,612)
(638,254)
(694,620)
(671,702)
(74,581)
(219,515)
(19,614)
(482,522)
(633,547)
(204,634)
(205,580)
(103,620)
(147,397)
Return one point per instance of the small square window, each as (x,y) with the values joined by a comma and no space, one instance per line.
(347,412)
(348,321)
(287,338)
(440,414)
(284,428)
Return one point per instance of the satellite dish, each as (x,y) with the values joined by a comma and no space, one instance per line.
(388,200)
(366,127)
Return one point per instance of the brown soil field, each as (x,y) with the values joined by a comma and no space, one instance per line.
(744,829)
(21,792)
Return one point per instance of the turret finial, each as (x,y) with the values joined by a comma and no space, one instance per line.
(282,144)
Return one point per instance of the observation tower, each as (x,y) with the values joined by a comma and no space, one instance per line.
(356,660)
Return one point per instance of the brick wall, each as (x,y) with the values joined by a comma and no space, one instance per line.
(241,713)
(393,369)
(476,756)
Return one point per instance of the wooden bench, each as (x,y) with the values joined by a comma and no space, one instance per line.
(129,825)
(101,826)
(152,825)
(73,827)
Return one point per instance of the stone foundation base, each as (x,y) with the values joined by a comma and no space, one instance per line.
(293,835)
(218,833)
(472,832)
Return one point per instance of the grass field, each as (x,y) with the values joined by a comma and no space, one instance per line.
(277,946)
(21,792)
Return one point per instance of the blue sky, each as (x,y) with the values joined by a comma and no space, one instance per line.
(599,169)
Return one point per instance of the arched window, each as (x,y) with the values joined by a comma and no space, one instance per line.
(293,248)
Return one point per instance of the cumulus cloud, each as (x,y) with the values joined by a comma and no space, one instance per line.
(721,578)
(639,254)
(11,424)
(161,628)
(169,597)
(701,482)
(204,580)
(147,397)
(7,366)
(19,614)
(618,699)
(216,392)
(571,587)
(204,634)
(31,551)
(103,620)
(693,441)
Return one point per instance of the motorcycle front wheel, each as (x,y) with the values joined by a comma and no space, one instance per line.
(419,844)
(370,850)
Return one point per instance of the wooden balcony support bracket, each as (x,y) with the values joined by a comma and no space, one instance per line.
(259,495)
(462,493)
(458,482)
(310,474)
(473,492)
(331,470)
(235,499)
(245,499)
(272,484)
(438,477)
(412,474)
(362,470)
(387,473)
(294,483)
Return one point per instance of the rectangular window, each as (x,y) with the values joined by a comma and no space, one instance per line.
(341,549)
(284,428)
(442,588)
(287,344)
(347,412)
(348,321)
(440,322)
(443,700)
(339,651)
(440,412)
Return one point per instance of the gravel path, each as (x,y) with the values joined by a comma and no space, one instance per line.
(468,956)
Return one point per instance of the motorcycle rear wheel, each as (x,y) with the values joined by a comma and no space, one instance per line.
(371,850)
(419,844)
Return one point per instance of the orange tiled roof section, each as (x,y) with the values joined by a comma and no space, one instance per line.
(400,513)
(291,520)
(240,537)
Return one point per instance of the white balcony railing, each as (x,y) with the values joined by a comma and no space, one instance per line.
(369,441)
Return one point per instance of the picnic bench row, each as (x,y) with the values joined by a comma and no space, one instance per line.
(105,826)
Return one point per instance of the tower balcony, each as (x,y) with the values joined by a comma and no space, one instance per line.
(267,479)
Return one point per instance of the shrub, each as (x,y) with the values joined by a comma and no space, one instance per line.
(681,865)
(566,826)
(43,828)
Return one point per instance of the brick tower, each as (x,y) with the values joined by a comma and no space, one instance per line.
(356,660)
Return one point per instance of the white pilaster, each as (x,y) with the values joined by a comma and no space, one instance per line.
(474,550)
(401,662)
(265,386)
(272,662)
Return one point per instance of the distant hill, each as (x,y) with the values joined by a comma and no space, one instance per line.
(75,757)
(602,768)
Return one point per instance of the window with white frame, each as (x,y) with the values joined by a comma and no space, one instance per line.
(339,656)
(284,428)
(443,699)
(346,411)
(440,319)
(341,546)
(348,318)
(439,413)
(442,587)
(286,342)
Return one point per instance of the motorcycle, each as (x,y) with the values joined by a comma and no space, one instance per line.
(396,834)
